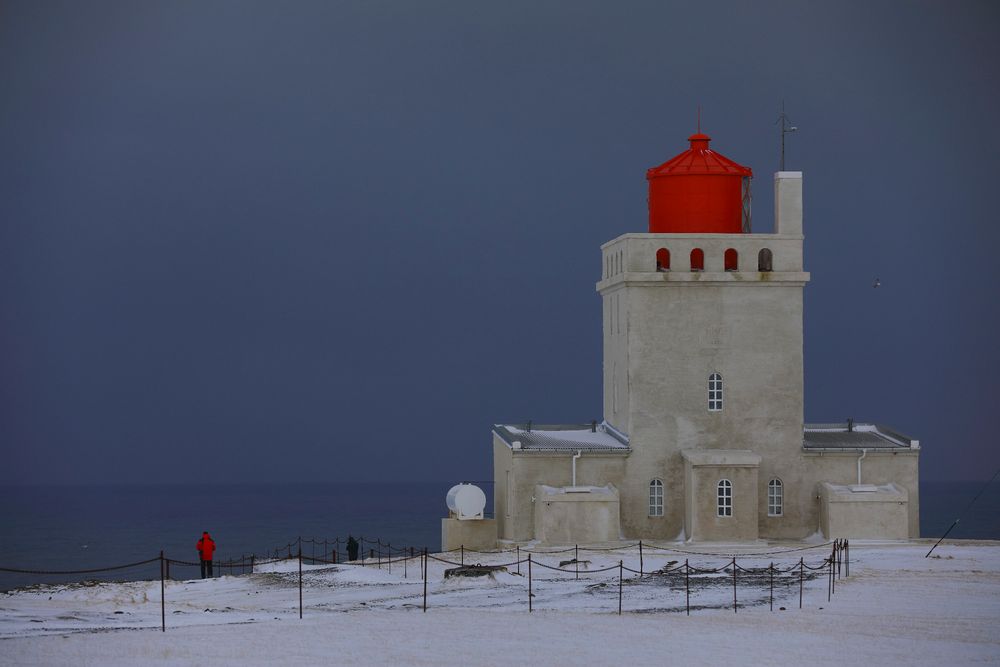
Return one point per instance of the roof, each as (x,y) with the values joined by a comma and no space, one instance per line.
(699,159)
(563,438)
(855,436)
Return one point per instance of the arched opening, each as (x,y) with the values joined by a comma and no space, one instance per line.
(775,498)
(656,498)
(714,392)
(732,260)
(764,260)
(725,498)
(662,259)
(697,260)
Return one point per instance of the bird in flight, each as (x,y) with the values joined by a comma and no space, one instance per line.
(876,283)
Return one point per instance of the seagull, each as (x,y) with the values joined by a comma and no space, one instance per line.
(876,283)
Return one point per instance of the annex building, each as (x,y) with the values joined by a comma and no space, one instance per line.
(703,435)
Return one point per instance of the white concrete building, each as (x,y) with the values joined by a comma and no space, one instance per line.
(703,435)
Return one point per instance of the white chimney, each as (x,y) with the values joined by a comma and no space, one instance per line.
(788,203)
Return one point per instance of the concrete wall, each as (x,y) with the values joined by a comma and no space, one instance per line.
(880,514)
(479,534)
(563,517)
(703,522)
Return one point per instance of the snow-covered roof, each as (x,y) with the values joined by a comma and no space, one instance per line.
(563,438)
(855,436)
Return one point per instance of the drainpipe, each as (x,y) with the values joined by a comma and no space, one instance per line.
(863,453)
(575,457)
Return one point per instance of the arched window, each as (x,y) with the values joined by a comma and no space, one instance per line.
(775,498)
(697,260)
(725,496)
(714,392)
(764,259)
(656,498)
(662,259)
(732,260)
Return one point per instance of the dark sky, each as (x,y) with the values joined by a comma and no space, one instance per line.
(263,241)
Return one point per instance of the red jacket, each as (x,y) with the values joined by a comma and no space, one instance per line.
(206,547)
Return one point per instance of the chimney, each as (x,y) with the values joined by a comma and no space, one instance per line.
(788,203)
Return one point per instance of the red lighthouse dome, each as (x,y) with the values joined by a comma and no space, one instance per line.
(699,192)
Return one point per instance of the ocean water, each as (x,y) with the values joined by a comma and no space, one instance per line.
(83,527)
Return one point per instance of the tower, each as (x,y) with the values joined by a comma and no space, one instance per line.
(703,366)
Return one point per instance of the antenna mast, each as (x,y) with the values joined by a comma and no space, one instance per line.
(786,128)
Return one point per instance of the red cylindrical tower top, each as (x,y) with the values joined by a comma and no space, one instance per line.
(699,192)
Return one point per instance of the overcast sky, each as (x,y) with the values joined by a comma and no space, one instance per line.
(280,241)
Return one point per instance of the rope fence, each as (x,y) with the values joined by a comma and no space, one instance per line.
(834,566)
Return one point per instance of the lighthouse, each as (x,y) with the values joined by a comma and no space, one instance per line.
(703,436)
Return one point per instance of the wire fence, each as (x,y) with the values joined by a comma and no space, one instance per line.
(375,553)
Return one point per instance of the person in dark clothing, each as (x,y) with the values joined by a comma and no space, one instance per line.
(352,548)
(206,547)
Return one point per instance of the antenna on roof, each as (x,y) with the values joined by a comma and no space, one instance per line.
(786,128)
(967,508)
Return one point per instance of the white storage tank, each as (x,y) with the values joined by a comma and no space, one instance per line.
(466,501)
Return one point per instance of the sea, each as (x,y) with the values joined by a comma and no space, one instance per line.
(58,528)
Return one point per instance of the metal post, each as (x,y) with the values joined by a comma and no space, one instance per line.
(829,580)
(847,547)
(300,581)
(640,558)
(405,559)
(518,547)
(425,578)
(463,554)
(529,583)
(252,557)
(163,594)
(800,582)
(687,586)
(576,559)
(771,571)
(621,574)
(734,584)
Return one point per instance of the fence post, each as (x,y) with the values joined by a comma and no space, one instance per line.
(404,562)
(640,558)
(425,578)
(518,547)
(463,554)
(847,548)
(687,586)
(380,556)
(163,594)
(621,574)
(829,580)
(300,581)
(252,557)
(771,570)
(734,584)
(800,582)
(529,583)
(389,547)
(576,559)
(371,555)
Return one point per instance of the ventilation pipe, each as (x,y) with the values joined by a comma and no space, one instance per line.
(575,457)
(863,453)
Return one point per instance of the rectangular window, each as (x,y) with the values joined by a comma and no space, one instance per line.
(715,393)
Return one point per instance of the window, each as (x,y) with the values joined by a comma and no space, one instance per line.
(656,498)
(764,259)
(725,507)
(775,497)
(732,260)
(662,259)
(697,259)
(715,393)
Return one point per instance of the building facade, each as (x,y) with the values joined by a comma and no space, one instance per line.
(703,436)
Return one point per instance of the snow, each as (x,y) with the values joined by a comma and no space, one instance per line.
(897,607)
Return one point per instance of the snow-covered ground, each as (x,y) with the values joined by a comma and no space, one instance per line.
(897,607)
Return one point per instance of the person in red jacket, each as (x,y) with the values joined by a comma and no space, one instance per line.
(206,547)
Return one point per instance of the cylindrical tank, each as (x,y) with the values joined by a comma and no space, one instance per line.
(466,501)
(699,192)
